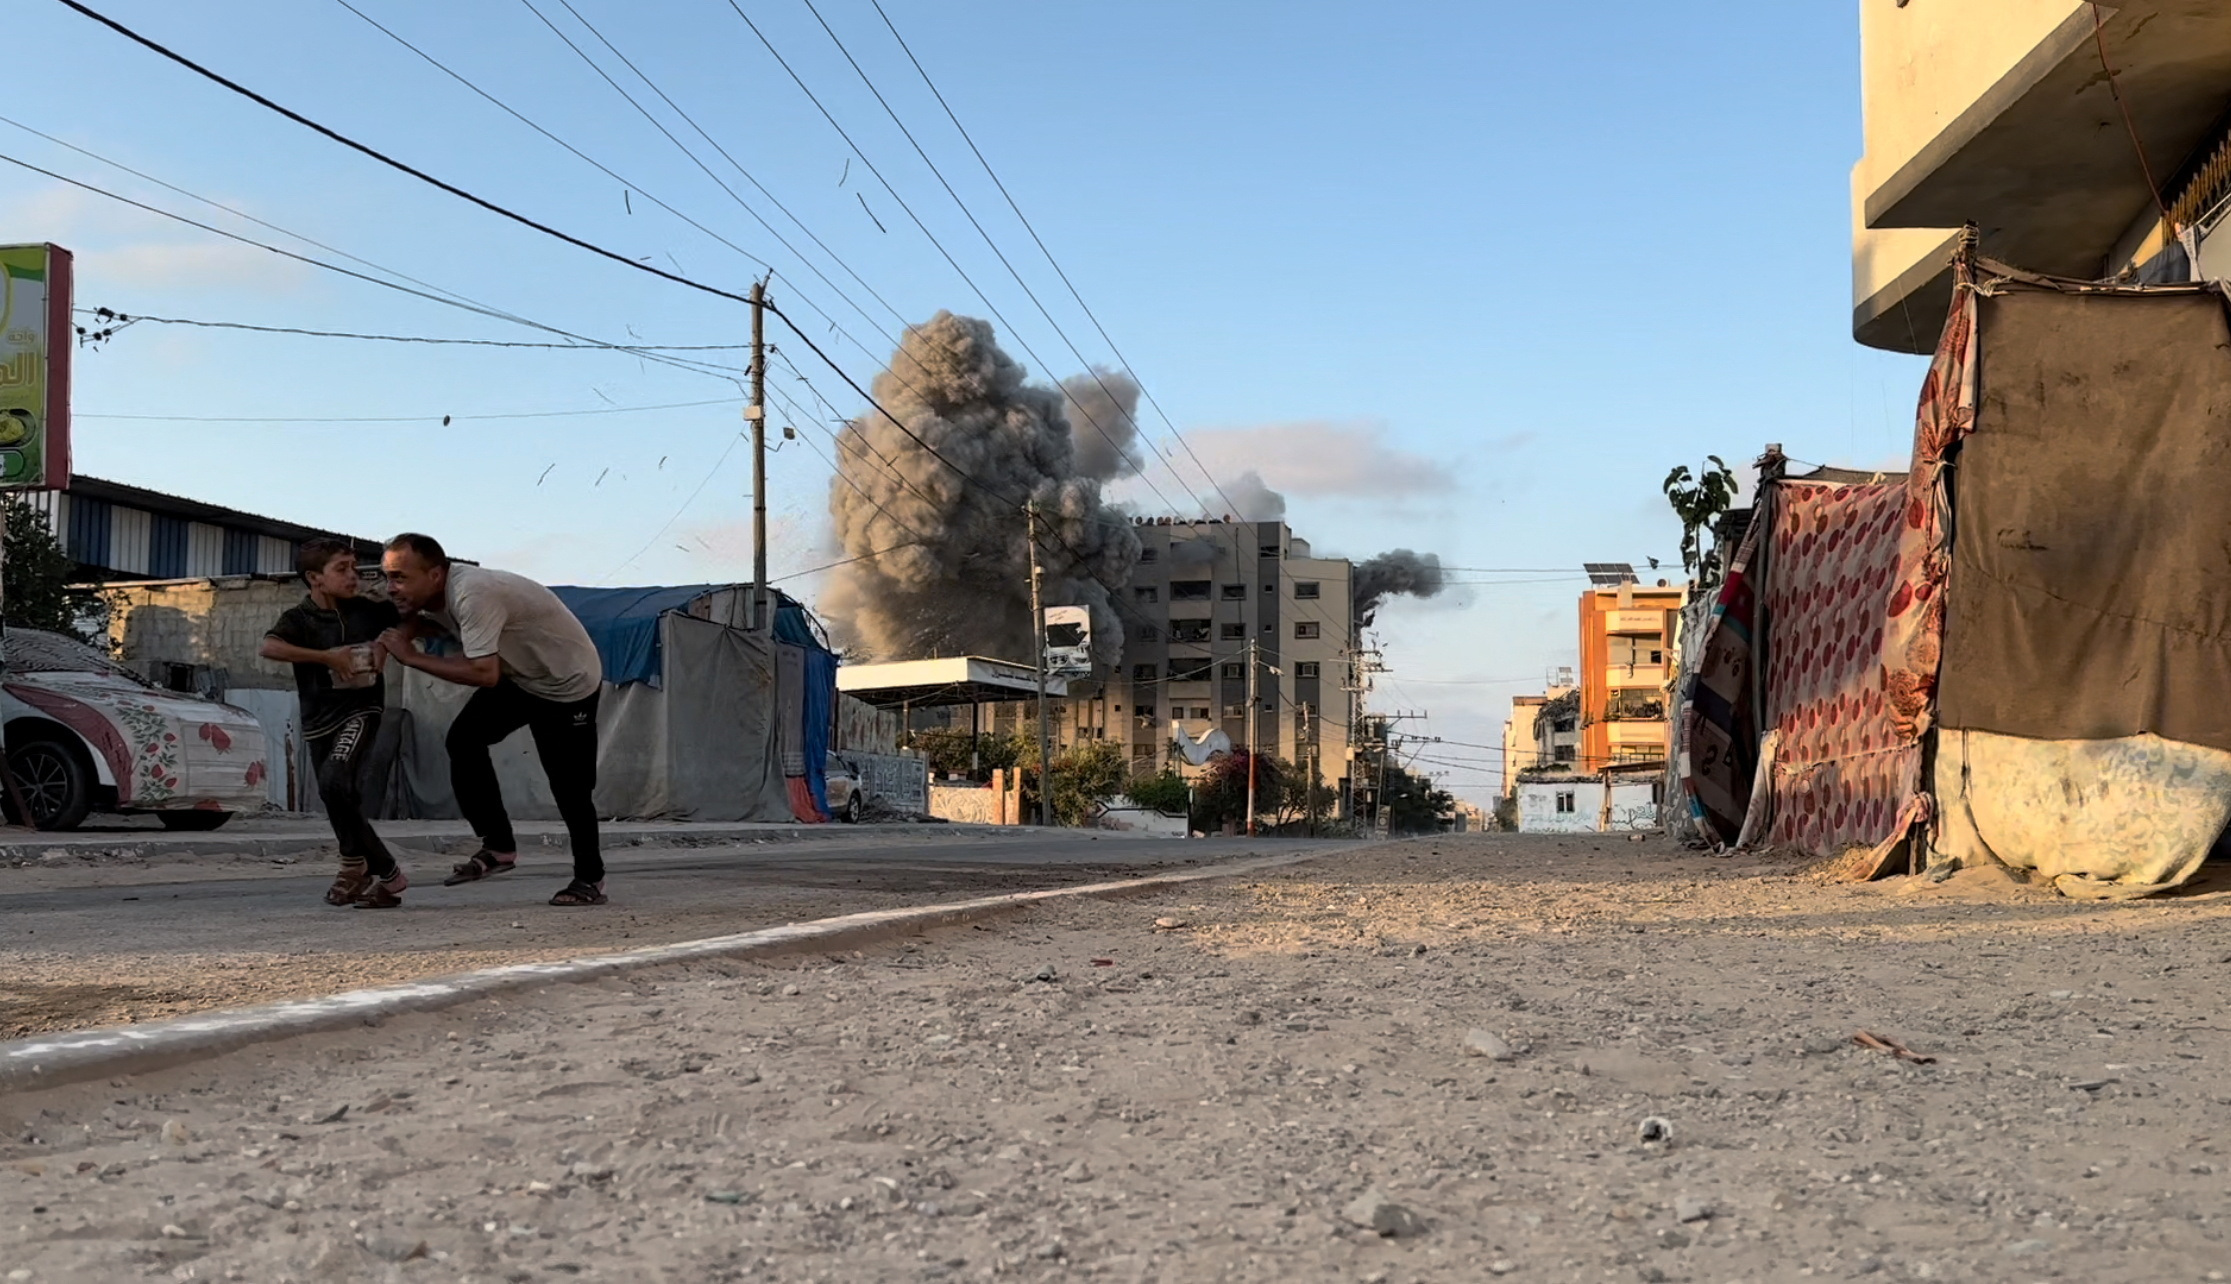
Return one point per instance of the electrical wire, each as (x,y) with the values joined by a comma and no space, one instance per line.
(136,318)
(400,419)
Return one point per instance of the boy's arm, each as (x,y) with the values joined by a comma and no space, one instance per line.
(285,652)
(480,671)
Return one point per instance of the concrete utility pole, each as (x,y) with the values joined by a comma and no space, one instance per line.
(1251,724)
(756,413)
(1045,725)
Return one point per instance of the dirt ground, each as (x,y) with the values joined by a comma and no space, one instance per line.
(1212,1100)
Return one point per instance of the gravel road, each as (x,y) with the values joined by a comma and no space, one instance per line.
(103,938)
(1227,1095)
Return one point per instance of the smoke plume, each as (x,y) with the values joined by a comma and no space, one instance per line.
(958,582)
(1103,421)
(1399,571)
(1256,501)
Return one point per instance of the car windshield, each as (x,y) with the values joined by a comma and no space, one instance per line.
(38,651)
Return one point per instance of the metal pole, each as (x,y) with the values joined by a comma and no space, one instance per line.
(756,412)
(1251,729)
(1045,725)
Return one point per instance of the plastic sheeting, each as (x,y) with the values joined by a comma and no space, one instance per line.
(624,624)
(702,747)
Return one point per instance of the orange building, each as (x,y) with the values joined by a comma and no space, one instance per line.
(1626,658)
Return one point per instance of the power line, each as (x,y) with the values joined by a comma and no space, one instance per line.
(136,318)
(427,294)
(402,419)
(399,166)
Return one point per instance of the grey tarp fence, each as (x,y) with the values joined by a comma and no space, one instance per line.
(702,746)
(2090,589)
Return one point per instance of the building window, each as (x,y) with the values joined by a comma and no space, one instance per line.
(1270,587)
(1564,802)
(1189,630)
(1563,726)
(1191,670)
(1305,589)
(1147,593)
(1306,629)
(1148,554)
(1233,672)
(1149,633)
(1146,715)
(1306,669)
(1200,712)
(1235,711)
(1235,592)
(1189,590)
(1562,753)
(1657,657)
(1144,672)
(1272,550)
(1234,631)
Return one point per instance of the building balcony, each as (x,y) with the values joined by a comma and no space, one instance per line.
(1652,676)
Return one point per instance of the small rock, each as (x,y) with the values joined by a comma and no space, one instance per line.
(791,991)
(1046,973)
(1374,1212)
(173,1231)
(2091,1085)
(1051,1250)
(516,923)
(724,1197)
(335,1117)
(20,1273)
(1169,924)
(175,1132)
(1501,1266)
(1690,1209)
(1655,1131)
(1417,951)
(2060,994)
(1077,1172)
(396,1250)
(1670,1238)
(1821,1045)
(1485,1043)
(1638,838)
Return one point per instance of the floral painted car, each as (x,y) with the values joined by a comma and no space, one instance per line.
(84,734)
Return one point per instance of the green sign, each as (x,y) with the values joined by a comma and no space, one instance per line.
(34,367)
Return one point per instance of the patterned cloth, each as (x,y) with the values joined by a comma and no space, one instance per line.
(1914,641)
(1719,718)
(1843,770)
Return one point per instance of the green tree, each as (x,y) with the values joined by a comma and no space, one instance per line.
(1164,791)
(1698,501)
(39,574)
(952,750)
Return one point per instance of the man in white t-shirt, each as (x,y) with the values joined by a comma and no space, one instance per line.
(535,667)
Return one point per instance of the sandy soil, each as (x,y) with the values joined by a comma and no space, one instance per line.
(992,1102)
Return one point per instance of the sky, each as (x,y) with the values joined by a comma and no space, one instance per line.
(1462,279)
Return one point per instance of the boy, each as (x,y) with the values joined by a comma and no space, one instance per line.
(330,640)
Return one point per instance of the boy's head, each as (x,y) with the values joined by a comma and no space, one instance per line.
(328,566)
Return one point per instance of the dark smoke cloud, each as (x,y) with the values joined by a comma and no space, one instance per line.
(1400,571)
(964,588)
(1103,422)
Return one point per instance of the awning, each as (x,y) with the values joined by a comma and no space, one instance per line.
(966,679)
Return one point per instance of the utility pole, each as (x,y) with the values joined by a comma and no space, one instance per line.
(756,413)
(1038,632)
(1252,723)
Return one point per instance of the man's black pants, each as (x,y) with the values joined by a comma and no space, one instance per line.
(340,752)
(565,740)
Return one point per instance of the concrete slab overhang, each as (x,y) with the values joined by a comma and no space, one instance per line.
(2042,161)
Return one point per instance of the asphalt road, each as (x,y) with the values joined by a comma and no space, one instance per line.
(137,940)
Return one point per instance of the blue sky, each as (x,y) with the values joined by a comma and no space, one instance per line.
(1465,279)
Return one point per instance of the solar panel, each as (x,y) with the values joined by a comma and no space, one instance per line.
(1609,574)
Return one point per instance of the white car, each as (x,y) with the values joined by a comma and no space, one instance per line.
(84,734)
(848,794)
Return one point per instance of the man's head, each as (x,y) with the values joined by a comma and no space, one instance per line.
(417,572)
(328,566)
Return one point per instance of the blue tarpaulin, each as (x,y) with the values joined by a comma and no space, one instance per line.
(623,622)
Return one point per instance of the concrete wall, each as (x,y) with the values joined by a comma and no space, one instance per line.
(965,804)
(219,622)
(1634,806)
(896,782)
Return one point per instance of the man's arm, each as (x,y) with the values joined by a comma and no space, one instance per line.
(479,671)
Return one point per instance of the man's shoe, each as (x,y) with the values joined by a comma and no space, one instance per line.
(385,893)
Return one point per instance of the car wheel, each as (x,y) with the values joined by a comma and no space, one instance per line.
(852,809)
(55,781)
(196,819)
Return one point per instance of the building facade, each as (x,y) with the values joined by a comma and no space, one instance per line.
(1627,635)
(2000,113)
(1203,592)
(120,532)
(1543,733)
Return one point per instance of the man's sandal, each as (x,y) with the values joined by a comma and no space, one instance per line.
(580,893)
(349,884)
(482,864)
(385,893)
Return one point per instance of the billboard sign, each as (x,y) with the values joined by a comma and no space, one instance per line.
(35,344)
(1068,642)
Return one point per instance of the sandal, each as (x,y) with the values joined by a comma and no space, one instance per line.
(482,864)
(580,893)
(349,884)
(385,893)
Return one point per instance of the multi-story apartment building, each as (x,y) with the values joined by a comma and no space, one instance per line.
(1202,592)
(1543,733)
(2002,113)
(1626,648)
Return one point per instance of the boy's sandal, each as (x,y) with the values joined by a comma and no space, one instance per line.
(580,893)
(480,865)
(349,884)
(385,893)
